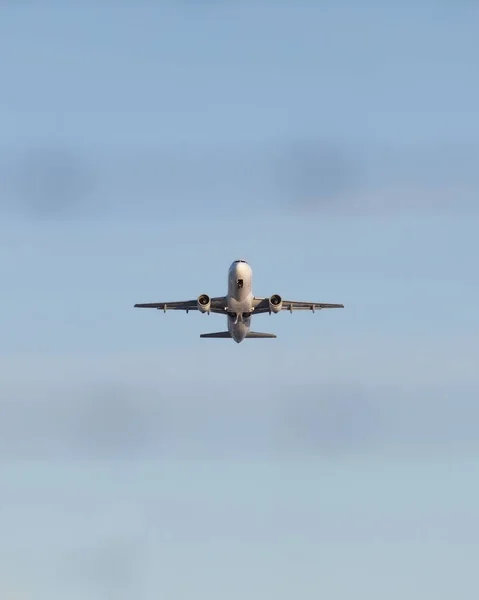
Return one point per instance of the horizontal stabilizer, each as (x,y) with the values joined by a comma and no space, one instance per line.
(258,334)
(218,334)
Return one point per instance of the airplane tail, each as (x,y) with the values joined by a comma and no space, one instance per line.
(258,334)
(226,334)
(218,334)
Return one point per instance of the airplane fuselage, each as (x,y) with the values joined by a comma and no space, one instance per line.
(239,299)
(239,304)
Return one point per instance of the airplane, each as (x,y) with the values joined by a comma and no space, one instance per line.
(239,305)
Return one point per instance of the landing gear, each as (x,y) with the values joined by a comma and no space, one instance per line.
(237,317)
(239,283)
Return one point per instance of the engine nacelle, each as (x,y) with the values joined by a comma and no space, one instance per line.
(204,303)
(275,303)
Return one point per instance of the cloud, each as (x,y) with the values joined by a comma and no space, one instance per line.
(314,175)
(340,422)
(112,567)
(368,179)
(82,421)
(125,422)
(48,182)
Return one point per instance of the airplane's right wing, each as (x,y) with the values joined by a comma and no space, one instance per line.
(261,305)
(295,305)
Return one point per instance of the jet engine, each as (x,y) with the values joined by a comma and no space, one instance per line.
(275,303)
(204,303)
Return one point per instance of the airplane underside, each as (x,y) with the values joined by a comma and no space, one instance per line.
(227,334)
(239,305)
(237,317)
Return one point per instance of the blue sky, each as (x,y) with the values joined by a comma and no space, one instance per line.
(144,148)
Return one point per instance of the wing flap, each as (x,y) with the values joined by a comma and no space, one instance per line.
(261,305)
(187,305)
(217,305)
(295,305)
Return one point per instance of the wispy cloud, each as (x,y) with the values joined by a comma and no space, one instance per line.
(298,175)
(111,567)
(130,421)
(46,182)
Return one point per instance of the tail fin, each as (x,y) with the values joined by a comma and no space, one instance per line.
(258,334)
(226,334)
(218,334)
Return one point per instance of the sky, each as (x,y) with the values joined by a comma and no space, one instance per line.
(144,147)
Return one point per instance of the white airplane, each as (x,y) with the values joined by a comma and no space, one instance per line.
(239,305)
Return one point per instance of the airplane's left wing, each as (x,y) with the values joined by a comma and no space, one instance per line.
(217,305)
(261,305)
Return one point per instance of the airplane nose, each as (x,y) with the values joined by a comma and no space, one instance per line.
(242,269)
